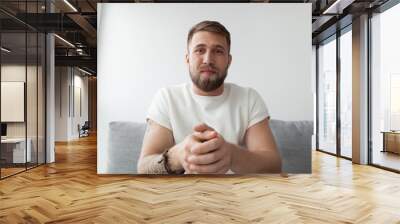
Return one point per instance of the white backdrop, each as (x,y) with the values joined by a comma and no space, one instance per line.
(141,48)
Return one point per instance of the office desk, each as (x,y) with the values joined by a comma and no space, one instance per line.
(391,141)
(13,150)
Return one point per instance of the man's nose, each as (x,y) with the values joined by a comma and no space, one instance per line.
(208,58)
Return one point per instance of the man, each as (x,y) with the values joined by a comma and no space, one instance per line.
(208,126)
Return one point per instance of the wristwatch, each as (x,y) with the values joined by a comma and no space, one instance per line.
(165,160)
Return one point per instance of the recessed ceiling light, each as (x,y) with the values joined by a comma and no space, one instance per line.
(5,50)
(70,5)
(337,7)
(86,72)
(64,40)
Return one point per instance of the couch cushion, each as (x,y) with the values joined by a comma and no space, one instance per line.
(292,137)
(294,143)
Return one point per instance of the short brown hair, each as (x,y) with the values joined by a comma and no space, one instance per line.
(210,26)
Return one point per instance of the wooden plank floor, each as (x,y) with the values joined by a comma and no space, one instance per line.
(70,191)
(10,171)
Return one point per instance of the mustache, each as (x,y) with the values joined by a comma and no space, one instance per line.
(208,68)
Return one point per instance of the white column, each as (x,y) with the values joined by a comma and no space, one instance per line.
(50,92)
(50,100)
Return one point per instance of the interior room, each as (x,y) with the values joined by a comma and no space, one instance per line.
(73,125)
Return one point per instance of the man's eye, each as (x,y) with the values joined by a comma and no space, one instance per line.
(219,51)
(199,50)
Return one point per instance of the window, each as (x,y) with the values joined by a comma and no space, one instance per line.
(327,96)
(385,89)
(346,94)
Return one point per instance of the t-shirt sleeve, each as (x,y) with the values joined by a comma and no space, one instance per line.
(257,109)
(158,110)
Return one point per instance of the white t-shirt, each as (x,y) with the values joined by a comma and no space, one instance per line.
(179,109)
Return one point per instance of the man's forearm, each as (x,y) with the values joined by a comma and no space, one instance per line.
(245,161)
(151,164)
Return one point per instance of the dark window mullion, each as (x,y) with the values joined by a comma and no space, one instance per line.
(369,90)
(26,86)
(317,96)
(0,97)
(37,90)
(338,91)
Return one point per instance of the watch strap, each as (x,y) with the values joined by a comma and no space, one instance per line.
(165,160)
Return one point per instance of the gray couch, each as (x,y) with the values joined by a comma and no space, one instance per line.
(293,139)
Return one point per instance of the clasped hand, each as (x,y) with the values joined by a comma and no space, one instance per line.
(205,151)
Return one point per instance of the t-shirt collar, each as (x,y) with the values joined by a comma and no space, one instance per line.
(196,96)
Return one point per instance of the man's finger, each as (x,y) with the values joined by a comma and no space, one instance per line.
(210,168)
(207,146)
(205,136)
(207,158)
(202,127)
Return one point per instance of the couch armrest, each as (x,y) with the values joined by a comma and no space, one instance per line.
(294,143)
(125,142)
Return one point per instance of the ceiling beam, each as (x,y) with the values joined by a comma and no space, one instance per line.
(84,24)
(85,61)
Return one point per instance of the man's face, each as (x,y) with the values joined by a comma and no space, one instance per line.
(208,60)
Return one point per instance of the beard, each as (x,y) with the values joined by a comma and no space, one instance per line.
(208,83)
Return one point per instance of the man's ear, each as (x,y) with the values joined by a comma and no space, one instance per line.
(187,58)
(230,60)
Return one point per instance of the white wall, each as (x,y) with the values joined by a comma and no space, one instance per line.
(80,83)
(67,80)
(141,48)
(19,73)
(61,103)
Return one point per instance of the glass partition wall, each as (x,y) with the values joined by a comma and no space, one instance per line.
(22,100)
(13,89)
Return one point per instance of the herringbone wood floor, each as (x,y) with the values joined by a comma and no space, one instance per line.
(70,191)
